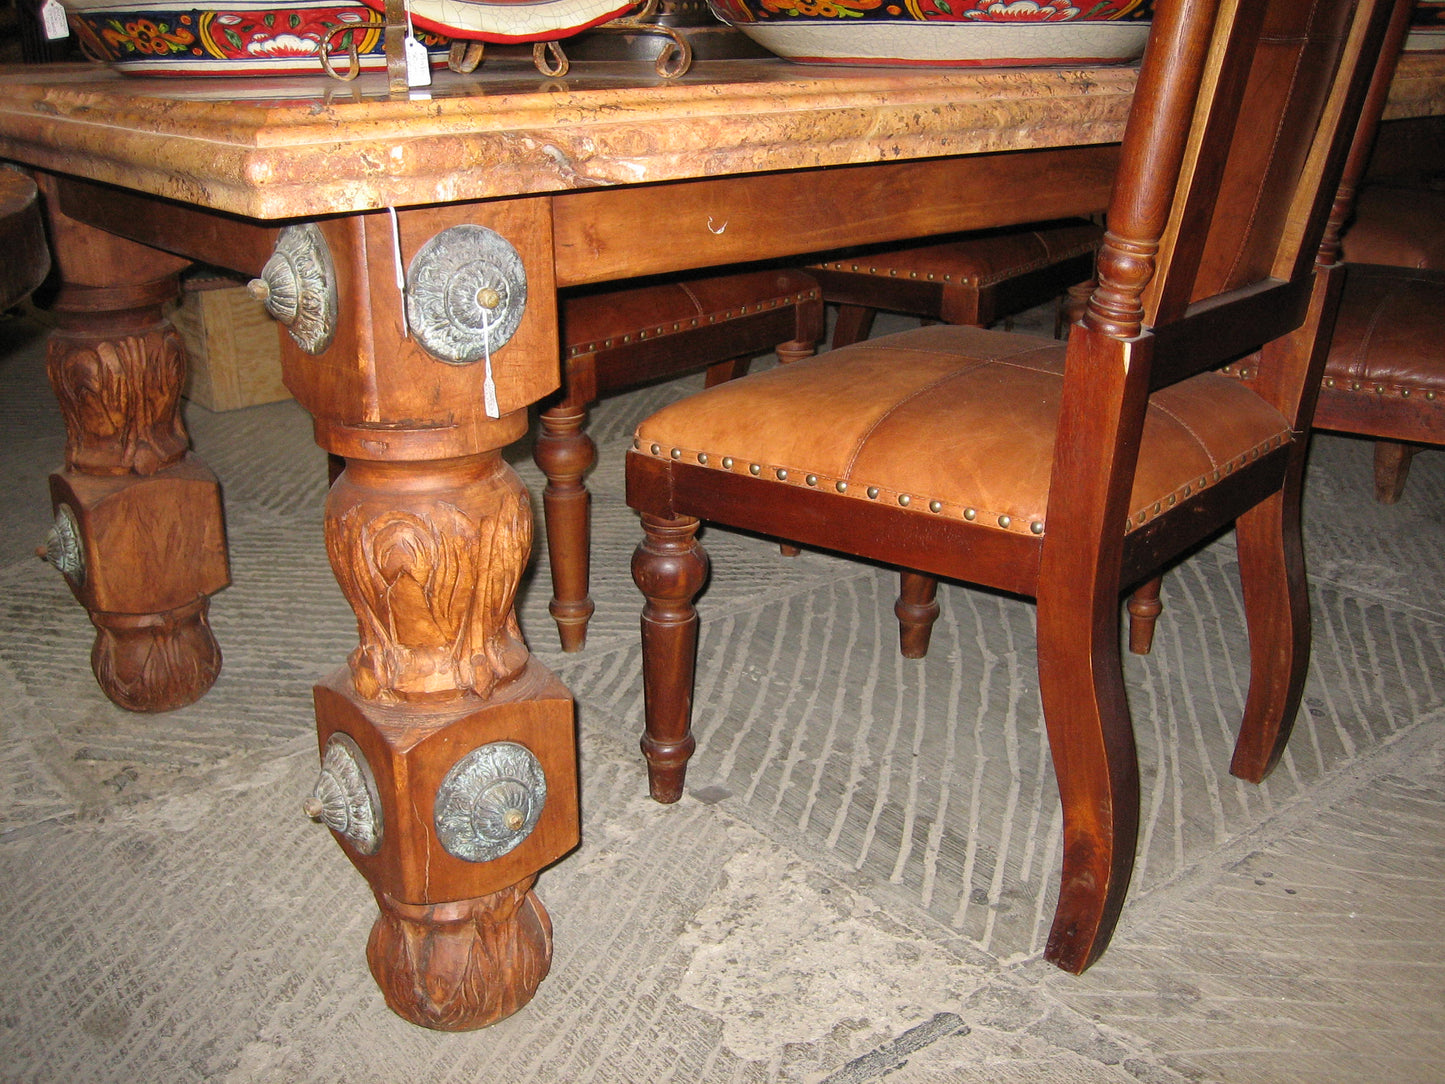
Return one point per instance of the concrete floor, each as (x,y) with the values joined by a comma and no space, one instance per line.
(858,882)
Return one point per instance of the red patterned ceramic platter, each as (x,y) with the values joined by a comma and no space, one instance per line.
(943,33)
(248,37)
(511,20)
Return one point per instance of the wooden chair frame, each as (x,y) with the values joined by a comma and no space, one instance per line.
(1228,169)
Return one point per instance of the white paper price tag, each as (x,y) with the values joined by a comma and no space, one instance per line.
(418,64)
(52,20)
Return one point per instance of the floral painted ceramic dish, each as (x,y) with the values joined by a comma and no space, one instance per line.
(944,33)
(247,37)
(512,20)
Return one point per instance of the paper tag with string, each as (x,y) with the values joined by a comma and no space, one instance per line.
(489,385)
(418,63)
(400,270)
(52,20)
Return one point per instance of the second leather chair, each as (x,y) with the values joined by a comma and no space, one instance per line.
(621,339)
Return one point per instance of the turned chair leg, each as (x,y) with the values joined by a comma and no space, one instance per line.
(669,568)
(1091,741)
(790,352)
(565,453)
(1276,610)
(1144,610)
(917,609)
(1071,307)
(1392,467)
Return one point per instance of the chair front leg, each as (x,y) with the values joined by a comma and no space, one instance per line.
(1091,740)
(565,453)
(1277,612)
(669,568)
(1144,610)
(1392,467)
(916,609)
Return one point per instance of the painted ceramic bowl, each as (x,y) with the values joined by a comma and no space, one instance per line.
(247,37)
(944,33)
(512,20)
(1427,27)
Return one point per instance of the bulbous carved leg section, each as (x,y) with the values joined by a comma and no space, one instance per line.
(120,396)
(156,662)
(429,555)
(565,453)
(916,609)
(463,965)
(669,568)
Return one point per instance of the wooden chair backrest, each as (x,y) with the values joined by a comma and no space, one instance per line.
(1242,120)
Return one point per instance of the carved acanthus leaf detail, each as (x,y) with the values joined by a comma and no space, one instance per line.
(412,576)
(120,396)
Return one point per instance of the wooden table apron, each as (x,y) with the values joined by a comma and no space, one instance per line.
(449,766)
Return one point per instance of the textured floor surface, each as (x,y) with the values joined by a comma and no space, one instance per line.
(857,884)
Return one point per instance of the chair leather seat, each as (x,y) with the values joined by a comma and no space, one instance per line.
(1389,334)
(1401,227)
(951,421)
(599,321)
(978,261)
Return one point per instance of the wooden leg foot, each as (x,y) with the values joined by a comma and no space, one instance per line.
(462,965)
(156,662)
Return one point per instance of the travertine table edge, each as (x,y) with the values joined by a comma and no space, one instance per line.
(449,770)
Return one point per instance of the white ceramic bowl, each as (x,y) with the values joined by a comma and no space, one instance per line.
(943,33)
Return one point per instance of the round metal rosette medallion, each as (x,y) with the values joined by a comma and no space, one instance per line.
(345,798)
(490,801)
(466,290)
(63,546)
(298,287)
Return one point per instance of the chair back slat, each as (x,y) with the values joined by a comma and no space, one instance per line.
(1234,201)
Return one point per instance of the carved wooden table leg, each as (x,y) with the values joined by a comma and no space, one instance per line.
(466,739)
(449,772)
(138,530)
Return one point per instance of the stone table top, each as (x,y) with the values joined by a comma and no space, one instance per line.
(288,147)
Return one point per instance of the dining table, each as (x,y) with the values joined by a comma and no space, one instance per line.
(412,244)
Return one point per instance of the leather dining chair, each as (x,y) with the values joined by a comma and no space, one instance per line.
(974,279)
(615,340)
(1384,375)
(1068,472)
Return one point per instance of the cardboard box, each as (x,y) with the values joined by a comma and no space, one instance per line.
(232,343)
